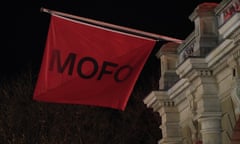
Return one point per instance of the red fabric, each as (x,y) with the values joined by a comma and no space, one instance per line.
(90,65)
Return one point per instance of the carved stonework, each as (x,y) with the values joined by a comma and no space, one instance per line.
(234,63)
(192,104)
(231,9)
(236,95)
(238,88)
(198,98)
(205,72)
(188,51)
(168,103)
(196,135)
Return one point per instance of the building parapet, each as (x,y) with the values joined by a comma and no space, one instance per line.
(229,26)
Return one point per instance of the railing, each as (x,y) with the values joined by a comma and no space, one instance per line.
(186,49)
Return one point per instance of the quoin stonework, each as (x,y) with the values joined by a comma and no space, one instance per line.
(199,89)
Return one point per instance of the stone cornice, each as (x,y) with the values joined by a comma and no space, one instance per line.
(217,58)
(175,91)
(189,65)
(231,25)
(219,52)
(194,66)
(155,99)
(222,5)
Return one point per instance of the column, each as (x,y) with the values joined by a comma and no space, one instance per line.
(208,108)
(170,123)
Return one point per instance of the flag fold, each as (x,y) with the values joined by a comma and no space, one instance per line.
(89,65)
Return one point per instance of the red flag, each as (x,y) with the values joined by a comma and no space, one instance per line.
(90,65)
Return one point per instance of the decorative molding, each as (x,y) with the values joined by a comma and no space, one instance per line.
(193,125)
(196,100)
(191,103)
(168,103)
(236,96)
(219,52)
(236,54)
(189,65)
(229,26)
(237,39)
(188,51)
(205,72)
(156,100)
(234,63)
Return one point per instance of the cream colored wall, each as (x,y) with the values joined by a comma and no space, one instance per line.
(228,120)
(202,105)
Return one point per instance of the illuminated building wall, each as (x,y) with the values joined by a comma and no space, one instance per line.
(199,89)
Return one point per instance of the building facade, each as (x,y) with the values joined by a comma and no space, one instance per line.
(199,89)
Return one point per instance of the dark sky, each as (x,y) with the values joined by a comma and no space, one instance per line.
(25,27)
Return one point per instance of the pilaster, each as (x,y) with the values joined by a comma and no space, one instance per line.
(160,102)
(208,108)
(207,103)
(210,127)
(170,123)
(206,28)
(234,63)
(168,58)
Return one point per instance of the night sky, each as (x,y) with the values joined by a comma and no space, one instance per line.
(25,28)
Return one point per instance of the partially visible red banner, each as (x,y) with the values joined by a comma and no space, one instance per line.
(90,65)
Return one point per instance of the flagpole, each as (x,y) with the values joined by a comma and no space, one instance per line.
(117,27)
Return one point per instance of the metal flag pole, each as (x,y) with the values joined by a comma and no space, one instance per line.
(112,26)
